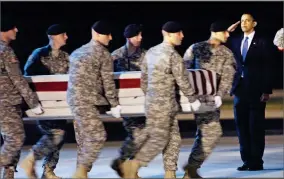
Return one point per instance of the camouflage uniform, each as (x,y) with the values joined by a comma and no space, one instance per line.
(279,38)
(91,84)
(221,60)
(162,131)
(133,125)
(43,62)
(13,87)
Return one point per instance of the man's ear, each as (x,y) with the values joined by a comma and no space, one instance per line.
(254,24)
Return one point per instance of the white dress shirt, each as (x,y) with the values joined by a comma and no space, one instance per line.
(250,37)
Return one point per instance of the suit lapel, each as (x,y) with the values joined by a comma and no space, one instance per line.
(252,46)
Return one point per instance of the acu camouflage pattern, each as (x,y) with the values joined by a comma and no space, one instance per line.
(55,63)
(90,134)
(132,125)
(13,86)
(12,131)
(162,132)
(125,62)
(49,145)
(91,76)
(90,81)
(53,131)
(279,38)
(221,60)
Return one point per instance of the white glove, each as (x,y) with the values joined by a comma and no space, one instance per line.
(195,105)
(187,107)
(218,101)
(37,110)
(115,112)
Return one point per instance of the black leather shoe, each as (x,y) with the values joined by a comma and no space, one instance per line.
(243,168)
(256,168)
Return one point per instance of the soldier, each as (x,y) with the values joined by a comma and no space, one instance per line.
(279,39)
(129,58)
(13,88)
(209,55)
(162,132)
(48,60)
(91,84)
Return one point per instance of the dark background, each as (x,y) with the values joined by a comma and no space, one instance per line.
(33,18)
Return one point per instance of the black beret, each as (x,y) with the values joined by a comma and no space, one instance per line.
(55,29)
(7,24)
(172,27)
(219,26)
(132,30)
(102,27)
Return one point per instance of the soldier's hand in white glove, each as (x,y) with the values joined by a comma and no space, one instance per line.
(37,110)
(218,101)
(195,105)
(115,112)
(187,107)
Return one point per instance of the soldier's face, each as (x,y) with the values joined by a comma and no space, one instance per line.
(12,34)
(176,38)
(222,36)
(247,23)
(104,39)
(60,39)
(136,40)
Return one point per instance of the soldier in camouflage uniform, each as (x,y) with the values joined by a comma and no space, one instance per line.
(161,131)
(48,60)
(13,87)
(91,84)
(279,39)
(129,58)
(209,55)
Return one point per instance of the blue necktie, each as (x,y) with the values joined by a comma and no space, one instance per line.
(245,49)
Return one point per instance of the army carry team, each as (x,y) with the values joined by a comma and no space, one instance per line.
(91,86)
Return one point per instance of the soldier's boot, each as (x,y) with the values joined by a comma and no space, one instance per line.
(191,172)
(9,172)
(170,174)
(48,173)
(130,169)
(186,176)
(81,172)
(28,164)
(116,165)
(137,176)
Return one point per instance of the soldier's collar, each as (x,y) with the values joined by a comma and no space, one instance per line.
(138,51)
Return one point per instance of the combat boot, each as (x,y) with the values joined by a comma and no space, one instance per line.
(28,164)
(130,169)
(170,174)
(48,173)
(9,172)
(81,172)
(116,165)
(191,172)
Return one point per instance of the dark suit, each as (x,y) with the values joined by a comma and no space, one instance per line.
(249,111)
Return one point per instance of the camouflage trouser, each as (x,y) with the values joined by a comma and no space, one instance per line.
(12,130)
(51,142)
(133,127)
(161,134)
(208,133)
(90,134)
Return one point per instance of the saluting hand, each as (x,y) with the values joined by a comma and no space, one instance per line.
(233,26)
